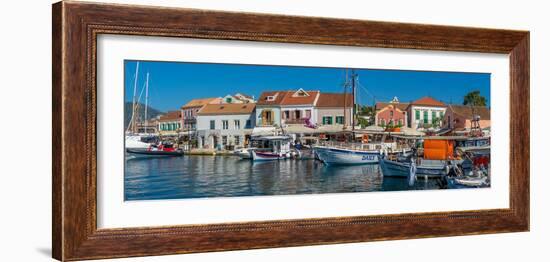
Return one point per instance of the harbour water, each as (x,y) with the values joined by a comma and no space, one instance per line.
(229,176)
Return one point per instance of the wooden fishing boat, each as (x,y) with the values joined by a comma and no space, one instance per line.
(333,155)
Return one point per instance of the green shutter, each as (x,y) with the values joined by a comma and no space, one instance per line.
(425,117)
(417,114)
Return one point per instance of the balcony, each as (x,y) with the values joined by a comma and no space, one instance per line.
(296,120)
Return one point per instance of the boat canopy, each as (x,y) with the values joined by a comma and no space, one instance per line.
(264,131)
(272,138)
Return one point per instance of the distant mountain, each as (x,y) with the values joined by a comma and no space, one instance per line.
(151,112)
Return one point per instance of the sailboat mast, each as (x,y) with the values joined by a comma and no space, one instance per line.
(146,100)
(353,79)
(134,100)
(345,101)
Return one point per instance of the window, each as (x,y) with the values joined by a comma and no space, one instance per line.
(248,124)
(308,113)
(224,140)
(327,120)
(237,140)
(400,122)
(270,98)
(237,124)
(425,117)
(212,124)
(229,100)
(391,114)
(417,114)
(225,124)
(382,122)
(286,114)
(340,120)
(434,117)
(297,114)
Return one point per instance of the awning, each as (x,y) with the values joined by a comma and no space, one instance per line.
(264,131)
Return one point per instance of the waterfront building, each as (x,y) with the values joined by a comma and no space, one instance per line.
(225,125)
(459,117)
(426,112)
(189,111)
(391,113)
(275,108)
(334,109)
(170,123)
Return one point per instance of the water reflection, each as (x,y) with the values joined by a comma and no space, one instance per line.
(210,176)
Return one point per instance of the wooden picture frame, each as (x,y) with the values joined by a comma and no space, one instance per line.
(76,26)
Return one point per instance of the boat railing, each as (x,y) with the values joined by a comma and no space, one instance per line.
(391,146)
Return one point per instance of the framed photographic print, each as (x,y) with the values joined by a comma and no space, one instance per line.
(182,130)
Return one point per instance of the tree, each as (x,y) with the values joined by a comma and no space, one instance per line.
(474,98)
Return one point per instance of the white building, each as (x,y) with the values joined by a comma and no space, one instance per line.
(222,125)
(426,112)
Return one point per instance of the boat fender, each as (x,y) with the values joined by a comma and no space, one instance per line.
(412,173)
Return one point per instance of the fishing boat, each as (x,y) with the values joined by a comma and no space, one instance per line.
(349,152)
(272,148)
(346,155)
(434,162)
(423,168)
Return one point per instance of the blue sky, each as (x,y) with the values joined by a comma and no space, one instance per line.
(172,84)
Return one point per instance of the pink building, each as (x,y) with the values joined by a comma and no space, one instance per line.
(391,113)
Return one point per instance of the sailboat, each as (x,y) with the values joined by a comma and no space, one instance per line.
(134,141)
(349,153)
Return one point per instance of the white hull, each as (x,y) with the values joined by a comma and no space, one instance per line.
(134,142)
(266,156)
(338,156)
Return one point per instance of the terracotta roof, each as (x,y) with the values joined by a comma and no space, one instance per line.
(290,99)
(334,100)
(427,101)
(201,102)
(468,111)
(277,95)
(287,98)
(170,116)
(227,109)
(400,106)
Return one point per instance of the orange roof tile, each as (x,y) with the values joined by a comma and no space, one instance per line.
(400,106)
(227,109)
(276,95)
(334,100)
(291,99)
(170,116)
(469,111)
(201,102)
(427,101)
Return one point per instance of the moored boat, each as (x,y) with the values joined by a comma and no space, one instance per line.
(162,150)
(271,148)
(346,156)
(425,168)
